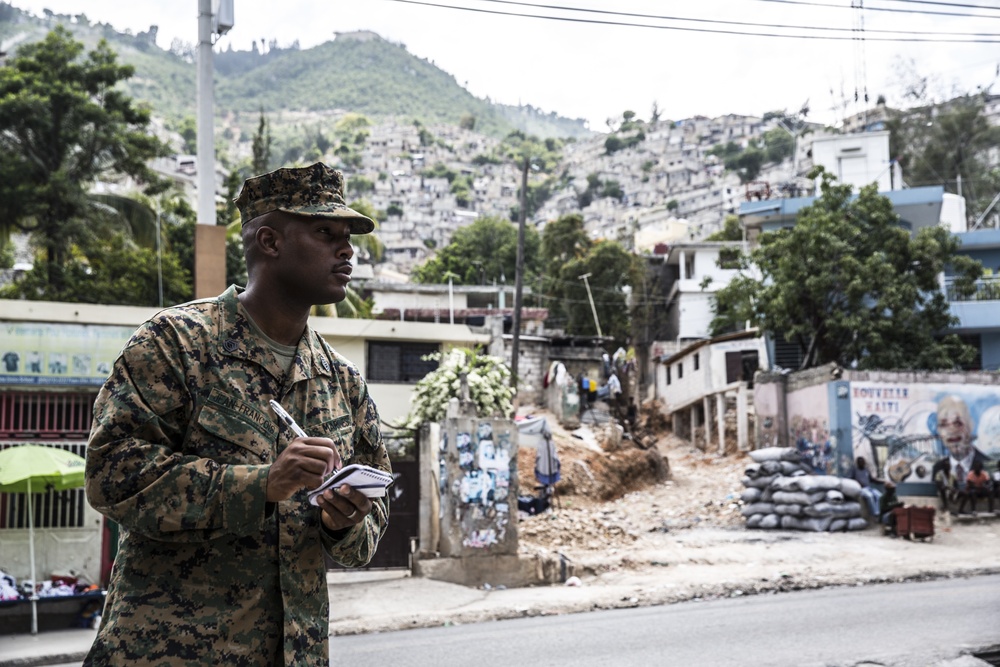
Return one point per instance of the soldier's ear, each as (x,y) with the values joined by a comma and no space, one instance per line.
(268,240)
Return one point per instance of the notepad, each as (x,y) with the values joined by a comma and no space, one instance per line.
(370,481)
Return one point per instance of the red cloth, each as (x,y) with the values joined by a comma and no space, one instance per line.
(978,481)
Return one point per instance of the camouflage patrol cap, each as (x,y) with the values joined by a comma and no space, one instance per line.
(316,191)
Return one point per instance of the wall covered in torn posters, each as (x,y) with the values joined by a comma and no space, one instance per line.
(477,482)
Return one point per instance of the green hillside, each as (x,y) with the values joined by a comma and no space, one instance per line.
(358,72)
(368,76)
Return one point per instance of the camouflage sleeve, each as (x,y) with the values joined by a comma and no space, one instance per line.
(357,548)
(137,473)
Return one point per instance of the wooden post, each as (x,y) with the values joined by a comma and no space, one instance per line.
(720,417)
(694,423)
(706,406)
(742,419)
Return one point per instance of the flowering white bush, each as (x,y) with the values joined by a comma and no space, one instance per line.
(489,387)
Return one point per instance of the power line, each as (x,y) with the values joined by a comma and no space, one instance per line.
(944,4)
(724,22)
(886,9)
(697,30)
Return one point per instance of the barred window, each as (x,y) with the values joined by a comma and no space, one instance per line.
(400,362)
(26,414)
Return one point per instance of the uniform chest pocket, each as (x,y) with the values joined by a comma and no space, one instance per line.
(229,437)
(341,431)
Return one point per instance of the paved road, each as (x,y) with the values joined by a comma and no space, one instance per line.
(904,625)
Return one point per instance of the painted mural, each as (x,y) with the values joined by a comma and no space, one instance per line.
(809,429)
(904,429)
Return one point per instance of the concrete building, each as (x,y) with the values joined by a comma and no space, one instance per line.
(697,385)
(55,356)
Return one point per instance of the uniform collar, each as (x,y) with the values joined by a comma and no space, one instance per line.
(236,338)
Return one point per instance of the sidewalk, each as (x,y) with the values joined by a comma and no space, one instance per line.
(692,564)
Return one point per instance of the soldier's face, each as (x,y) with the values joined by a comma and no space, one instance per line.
(315,259)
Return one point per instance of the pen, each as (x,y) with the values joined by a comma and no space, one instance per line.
(287,419)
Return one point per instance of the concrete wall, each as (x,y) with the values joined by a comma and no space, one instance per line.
(478,487)
(563,400)
(855,159)
(898,421)
(533,353)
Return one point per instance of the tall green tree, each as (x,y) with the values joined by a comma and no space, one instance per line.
(567,253)
(483,252)
(564,239)
(731,230)
(64,123)
(848,284)
(613,271)
(260,146)
(948,145)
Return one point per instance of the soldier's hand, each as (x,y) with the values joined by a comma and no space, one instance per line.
(302,465)
(343,507)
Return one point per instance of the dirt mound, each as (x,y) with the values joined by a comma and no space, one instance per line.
(616,489)
(600,463)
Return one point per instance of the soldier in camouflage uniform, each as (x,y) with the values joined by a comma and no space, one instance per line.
(221,560)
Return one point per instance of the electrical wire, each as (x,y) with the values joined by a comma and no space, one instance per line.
(698,30)
(887,9)
(749,24)
(939,3)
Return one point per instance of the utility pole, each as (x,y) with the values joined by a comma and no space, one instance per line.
(593,309)
(209,238)
(519,271)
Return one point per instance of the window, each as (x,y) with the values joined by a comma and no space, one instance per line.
(741,366)
(668,374)
(400,362)
(697,364)
(680,370)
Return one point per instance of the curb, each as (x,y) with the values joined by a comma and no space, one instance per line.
(43,660)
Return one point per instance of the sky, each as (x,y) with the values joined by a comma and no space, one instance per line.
(587,68)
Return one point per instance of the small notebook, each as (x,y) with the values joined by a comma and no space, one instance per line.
(370,481)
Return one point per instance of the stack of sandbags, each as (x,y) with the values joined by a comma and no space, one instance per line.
(781,492)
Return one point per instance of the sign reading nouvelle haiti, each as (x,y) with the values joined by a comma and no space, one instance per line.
(59,354)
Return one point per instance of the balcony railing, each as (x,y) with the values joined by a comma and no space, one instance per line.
(987,289)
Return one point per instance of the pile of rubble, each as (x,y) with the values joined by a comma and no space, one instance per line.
(616,490)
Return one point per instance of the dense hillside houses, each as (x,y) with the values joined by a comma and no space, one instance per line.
(667,177)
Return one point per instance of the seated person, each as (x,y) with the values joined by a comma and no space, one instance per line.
(863,476)
(944,480)
(977,485)
(887,503)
